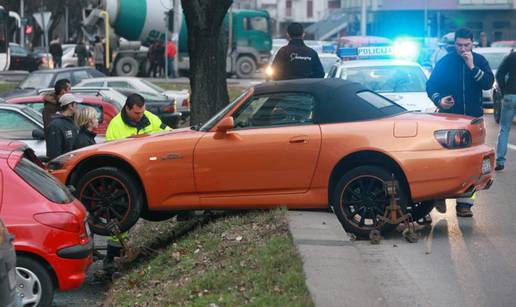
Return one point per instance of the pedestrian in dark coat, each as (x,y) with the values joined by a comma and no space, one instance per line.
(455,86)
(56,51)
(51,101)
(86,120)
(62,130)
(296,60)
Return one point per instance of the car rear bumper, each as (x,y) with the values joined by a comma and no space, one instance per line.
(439,174)
(69,267)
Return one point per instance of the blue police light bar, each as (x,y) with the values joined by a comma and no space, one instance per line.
(329,48)
(365,52)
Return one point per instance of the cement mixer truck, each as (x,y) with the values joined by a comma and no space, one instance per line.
(141,22)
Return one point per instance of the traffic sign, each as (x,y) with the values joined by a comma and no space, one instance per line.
(43,19)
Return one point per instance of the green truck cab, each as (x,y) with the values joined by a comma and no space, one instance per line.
(250,42)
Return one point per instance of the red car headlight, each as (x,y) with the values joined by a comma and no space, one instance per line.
(453,138)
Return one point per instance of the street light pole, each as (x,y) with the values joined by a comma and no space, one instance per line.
(22,29)
(363,18)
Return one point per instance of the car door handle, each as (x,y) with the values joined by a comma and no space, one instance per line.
(299,140)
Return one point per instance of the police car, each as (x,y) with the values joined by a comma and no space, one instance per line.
(376,68)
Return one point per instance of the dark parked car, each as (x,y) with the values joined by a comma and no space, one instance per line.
(40,79)
(7,268)
(23,59)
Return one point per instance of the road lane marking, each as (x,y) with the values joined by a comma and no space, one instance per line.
(513,147)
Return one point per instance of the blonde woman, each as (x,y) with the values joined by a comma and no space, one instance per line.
(86,119)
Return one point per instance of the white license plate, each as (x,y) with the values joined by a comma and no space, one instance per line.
(486,166)
(12,278)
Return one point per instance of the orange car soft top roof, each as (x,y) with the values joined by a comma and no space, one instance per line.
(336,99)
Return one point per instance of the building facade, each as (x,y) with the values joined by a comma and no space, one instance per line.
(283,12)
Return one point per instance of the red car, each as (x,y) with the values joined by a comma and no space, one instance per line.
(52,239)
(105,110)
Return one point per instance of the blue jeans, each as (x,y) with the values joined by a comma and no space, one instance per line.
(507,115)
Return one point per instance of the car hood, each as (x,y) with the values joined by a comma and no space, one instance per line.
(19,93)
(134,143)
(412,101)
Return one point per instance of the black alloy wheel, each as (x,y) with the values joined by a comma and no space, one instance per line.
(360,198)
(110,193)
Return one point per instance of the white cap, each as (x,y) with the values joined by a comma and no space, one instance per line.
(69,98)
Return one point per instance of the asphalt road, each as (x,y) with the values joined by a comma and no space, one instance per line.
(457,262)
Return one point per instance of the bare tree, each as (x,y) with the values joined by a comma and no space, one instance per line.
(207,49)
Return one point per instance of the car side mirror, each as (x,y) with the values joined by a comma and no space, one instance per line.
(38,134)
(225,124)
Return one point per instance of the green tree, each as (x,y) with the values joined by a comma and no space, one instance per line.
(207,49)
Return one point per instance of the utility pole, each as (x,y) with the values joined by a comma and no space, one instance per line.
(67,16)
(45,32)
(363,18)
(22,29)
(167,20)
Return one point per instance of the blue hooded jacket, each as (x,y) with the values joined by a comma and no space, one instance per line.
(452,77)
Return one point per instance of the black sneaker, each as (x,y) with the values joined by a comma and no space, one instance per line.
(499,167)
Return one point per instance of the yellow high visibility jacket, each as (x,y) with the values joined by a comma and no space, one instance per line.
(121,127)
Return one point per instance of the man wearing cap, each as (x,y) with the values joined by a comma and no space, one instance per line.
(62,130)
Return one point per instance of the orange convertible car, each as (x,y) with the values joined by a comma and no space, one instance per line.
(301,144)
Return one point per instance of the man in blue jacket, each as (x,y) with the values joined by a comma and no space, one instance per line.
(455,86)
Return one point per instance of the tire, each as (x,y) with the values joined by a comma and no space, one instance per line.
(158,216)
(113,185)
(245,67)
(127,67)
(30,271)
(358,185)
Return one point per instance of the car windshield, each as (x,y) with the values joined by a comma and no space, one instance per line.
(387,79)
(215,119)
(153,86)
(36,81)
(494,58)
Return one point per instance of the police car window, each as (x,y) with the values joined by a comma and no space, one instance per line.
(387,79)
(333,71)
(275,110)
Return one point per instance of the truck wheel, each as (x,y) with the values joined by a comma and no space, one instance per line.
(360,198)
(127,67)
(110,193)
(245,67)
(33,283)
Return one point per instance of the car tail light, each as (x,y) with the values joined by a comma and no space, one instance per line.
(185,103)
(454,138)
(171,108)
(60,220)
